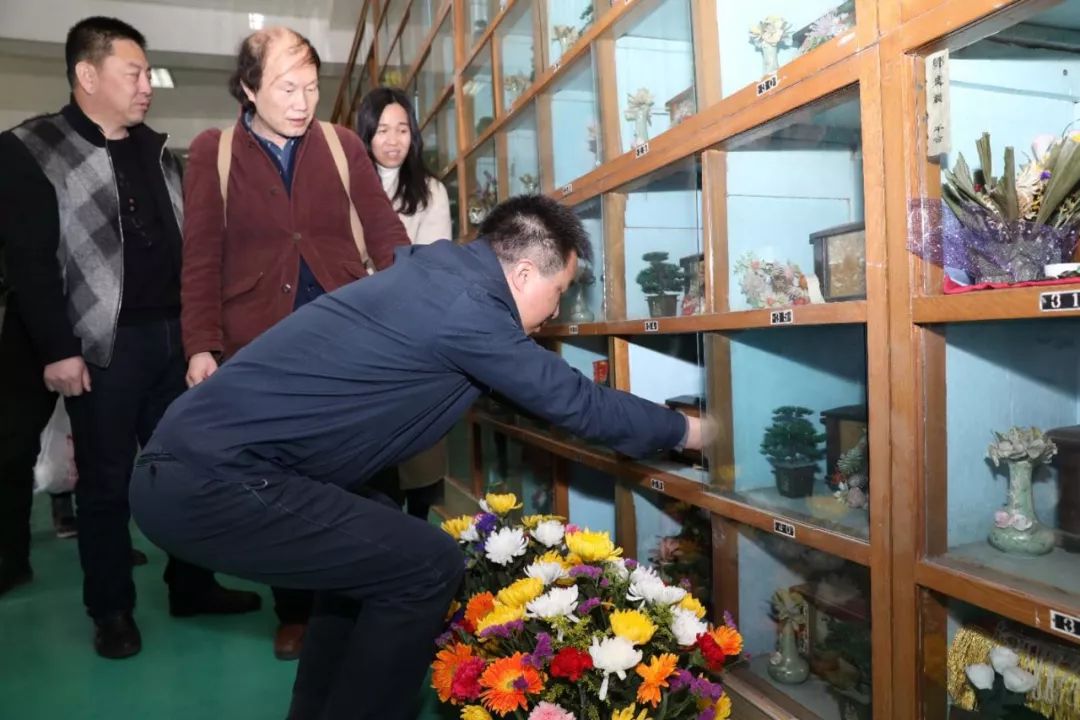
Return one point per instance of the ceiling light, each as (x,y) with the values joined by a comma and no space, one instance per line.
(256,21)
(161,78)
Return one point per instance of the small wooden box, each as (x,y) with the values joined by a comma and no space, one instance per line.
(844,427)
(840,261)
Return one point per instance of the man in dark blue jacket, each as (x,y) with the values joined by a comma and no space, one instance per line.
(247,472)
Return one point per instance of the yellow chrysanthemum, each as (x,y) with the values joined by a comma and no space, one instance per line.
(553,556)
(723,707)
(592,547)
(501,615)
(456,526)
(531,521)
(474,712)
(502,504)
(521,592)
(627,713)
(692,604)
(633,626)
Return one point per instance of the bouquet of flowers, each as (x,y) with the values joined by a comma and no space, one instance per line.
(1007,228)
(767,284)
(555,625)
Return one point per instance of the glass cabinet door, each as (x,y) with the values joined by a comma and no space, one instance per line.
(522,153)
(576,145)
(482,184)
(517,61)
(478,95)
(565,21)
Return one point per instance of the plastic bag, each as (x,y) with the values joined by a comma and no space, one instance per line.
(54,471)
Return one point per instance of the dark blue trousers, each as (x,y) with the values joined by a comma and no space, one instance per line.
(383,579)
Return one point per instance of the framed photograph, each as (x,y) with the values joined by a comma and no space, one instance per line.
(840,261)
(681,106)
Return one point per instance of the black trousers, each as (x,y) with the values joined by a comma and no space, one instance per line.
(383,580)
(25,408)
(108,424)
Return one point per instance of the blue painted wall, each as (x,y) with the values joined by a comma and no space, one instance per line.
(592,499)
(573,111)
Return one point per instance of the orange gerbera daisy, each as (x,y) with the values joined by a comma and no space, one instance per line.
(479,606)
(655,676)
(447,662)
(729,640)
(507,681)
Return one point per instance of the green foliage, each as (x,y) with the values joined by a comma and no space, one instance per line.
(660,277)
(792,439)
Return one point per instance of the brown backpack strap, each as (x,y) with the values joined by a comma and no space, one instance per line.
(338,152)
(224,162)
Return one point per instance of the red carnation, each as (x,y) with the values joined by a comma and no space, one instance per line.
(466,684)
(570,663)
(711,651)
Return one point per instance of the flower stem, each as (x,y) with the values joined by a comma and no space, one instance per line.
(663,707)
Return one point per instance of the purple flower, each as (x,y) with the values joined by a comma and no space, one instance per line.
(585,570)
(1045,175)
(630,564)
(708,713)
(729,620)
(485,523)
(587,606)
(604,582)
(705,689)
(684,583)
(681,680)
(521,683)
(503,631)
(444,639)
(542,653)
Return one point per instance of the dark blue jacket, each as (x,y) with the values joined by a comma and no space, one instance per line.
(369,375)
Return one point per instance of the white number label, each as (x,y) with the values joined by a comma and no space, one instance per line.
(574,330)
(782,317)
(1065,624)
(641,150)
(656,484)
(767,84)
(567,189)
(652,326)
(1055,301)
(780,527)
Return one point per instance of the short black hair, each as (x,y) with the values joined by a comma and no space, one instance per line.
(538,227)
(412,192)
(91,40)
(251,60)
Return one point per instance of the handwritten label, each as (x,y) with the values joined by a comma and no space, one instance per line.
(574,329)
(1060,300)
(567,189)
(937,103)
(652,326)
(1065,624)
(781,317)
(656,484)
(641,150)
(781,527)
(767,84)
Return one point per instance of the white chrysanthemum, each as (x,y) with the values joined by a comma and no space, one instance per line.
(549,533)
(981,676)
(504,545)
(469,534)
(614,655)
(618,565)
(547,572)
(643,573)
(1003,658)
(557,602)
(653,590)
(686,627)
(1018,681)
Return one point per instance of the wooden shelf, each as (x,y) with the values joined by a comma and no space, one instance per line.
(980,305)
(678,486)
(844,313)
(997,592)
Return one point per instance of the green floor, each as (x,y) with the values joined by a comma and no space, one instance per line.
(199,668)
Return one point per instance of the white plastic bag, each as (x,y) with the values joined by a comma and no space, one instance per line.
(55,470)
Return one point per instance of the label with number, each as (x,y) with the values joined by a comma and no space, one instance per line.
(782,317)
(1065,624)
(574,330)
(656,484)
(767,84)
(641,150)
(781,527)
(1061,300)
(652,326)
(567,189)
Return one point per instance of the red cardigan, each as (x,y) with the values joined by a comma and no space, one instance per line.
(238,278)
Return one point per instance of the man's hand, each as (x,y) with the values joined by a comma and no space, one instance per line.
(700,432)
(200,366)
(68,377)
